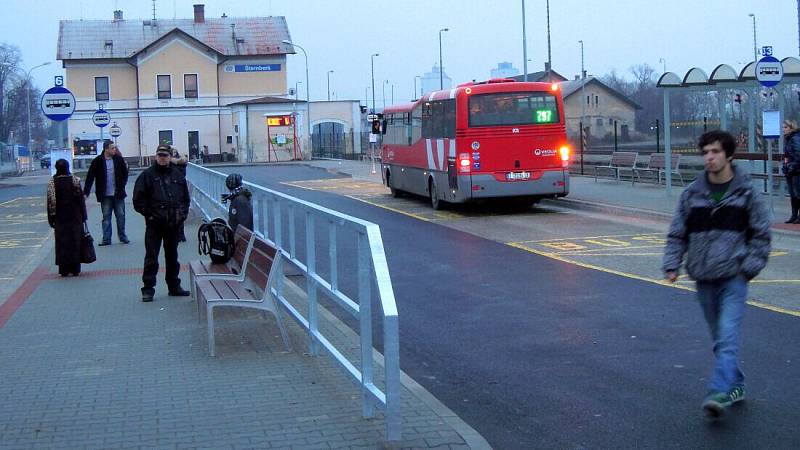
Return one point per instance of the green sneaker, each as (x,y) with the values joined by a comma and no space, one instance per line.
(715,404)
(736,394)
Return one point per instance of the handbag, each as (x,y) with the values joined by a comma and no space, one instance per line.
(87,246)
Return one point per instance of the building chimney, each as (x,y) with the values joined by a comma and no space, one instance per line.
(118,15)
(199,13)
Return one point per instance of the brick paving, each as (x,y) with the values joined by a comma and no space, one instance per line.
(85,364)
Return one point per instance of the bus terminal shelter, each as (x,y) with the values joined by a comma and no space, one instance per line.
(724,80)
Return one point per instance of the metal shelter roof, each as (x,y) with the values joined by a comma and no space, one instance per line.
(724,73)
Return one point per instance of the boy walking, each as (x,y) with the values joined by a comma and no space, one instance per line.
(723,228)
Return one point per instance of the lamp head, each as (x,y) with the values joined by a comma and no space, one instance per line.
(286,41)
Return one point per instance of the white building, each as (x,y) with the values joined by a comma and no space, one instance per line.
(504,70)
(431,80)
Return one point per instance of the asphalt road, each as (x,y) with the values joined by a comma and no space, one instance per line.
(539,353)
(535,352)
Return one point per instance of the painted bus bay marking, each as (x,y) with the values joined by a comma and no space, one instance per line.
(662,282)
(23,202)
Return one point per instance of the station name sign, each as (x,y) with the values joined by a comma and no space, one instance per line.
(253,68)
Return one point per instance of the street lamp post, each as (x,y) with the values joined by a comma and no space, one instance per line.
(663,65)
(583,105)
(329,84)
(525,46)
(441,69)
(755,51)
(420,87)
(28,108)
(308,96)
(549,58)
(372,66)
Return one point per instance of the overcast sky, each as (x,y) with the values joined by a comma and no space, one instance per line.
(340,35)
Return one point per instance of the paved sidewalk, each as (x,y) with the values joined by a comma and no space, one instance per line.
(85,364)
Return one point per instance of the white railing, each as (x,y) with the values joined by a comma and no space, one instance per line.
(275,220)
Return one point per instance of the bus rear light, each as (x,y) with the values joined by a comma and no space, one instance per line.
(463,162)
(560,183)
(476,187)
(564,152)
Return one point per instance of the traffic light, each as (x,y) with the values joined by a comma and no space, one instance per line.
(376,127)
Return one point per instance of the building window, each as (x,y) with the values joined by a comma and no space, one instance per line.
(101,89)
(164,86)
(229,139)
(164,137)
(190,85)
(610,122)
(599,122)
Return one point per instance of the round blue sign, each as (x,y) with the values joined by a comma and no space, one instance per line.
(769,71)
(58,103)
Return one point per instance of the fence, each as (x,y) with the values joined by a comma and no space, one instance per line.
(344,239)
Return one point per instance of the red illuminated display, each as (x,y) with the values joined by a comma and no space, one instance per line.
(277,121)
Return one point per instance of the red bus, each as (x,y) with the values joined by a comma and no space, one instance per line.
(487,140)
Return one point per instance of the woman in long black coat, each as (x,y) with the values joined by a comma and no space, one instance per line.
(66,213)
(791,166)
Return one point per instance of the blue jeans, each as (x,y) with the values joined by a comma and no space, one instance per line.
(108,204)
(723,303)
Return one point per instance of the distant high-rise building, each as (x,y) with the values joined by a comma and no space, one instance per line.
(430,80)
(504,70)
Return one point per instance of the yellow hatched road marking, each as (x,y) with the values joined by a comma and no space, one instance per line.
(661,282)
(637,235)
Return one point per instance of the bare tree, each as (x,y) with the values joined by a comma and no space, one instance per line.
(10,58)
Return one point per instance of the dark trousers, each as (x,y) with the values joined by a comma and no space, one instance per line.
(155,234)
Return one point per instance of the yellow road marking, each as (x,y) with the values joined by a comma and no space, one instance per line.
(774,281)
(424,219)
(660,282)
(594,237)
(608,254)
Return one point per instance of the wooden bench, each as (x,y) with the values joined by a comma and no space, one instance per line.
(619,161)
(658,164)
(248,280)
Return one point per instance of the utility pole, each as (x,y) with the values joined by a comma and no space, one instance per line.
(525,46)
(441,69)
(549,58)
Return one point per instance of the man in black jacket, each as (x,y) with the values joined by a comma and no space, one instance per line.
(162,197)
(111,173)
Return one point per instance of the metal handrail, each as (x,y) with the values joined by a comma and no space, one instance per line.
(272,208)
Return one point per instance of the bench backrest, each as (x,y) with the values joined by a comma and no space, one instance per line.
(241,237)
(261,259)
(658,161)
(623,159)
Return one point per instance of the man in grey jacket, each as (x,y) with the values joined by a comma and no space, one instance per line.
(723,228)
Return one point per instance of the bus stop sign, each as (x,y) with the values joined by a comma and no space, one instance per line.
(116,131)
(769,71)
(58,103)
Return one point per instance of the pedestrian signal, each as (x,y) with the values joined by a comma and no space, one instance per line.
(376,127)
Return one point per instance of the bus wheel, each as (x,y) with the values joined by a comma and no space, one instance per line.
(435,202)
(396,193)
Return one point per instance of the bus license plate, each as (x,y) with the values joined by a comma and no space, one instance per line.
(511,176)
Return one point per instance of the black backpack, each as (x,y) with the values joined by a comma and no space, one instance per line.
(215,239)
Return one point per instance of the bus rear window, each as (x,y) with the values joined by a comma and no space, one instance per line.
(513,108)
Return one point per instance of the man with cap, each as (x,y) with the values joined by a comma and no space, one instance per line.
(162,197)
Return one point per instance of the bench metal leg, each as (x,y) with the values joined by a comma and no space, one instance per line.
(210,321)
